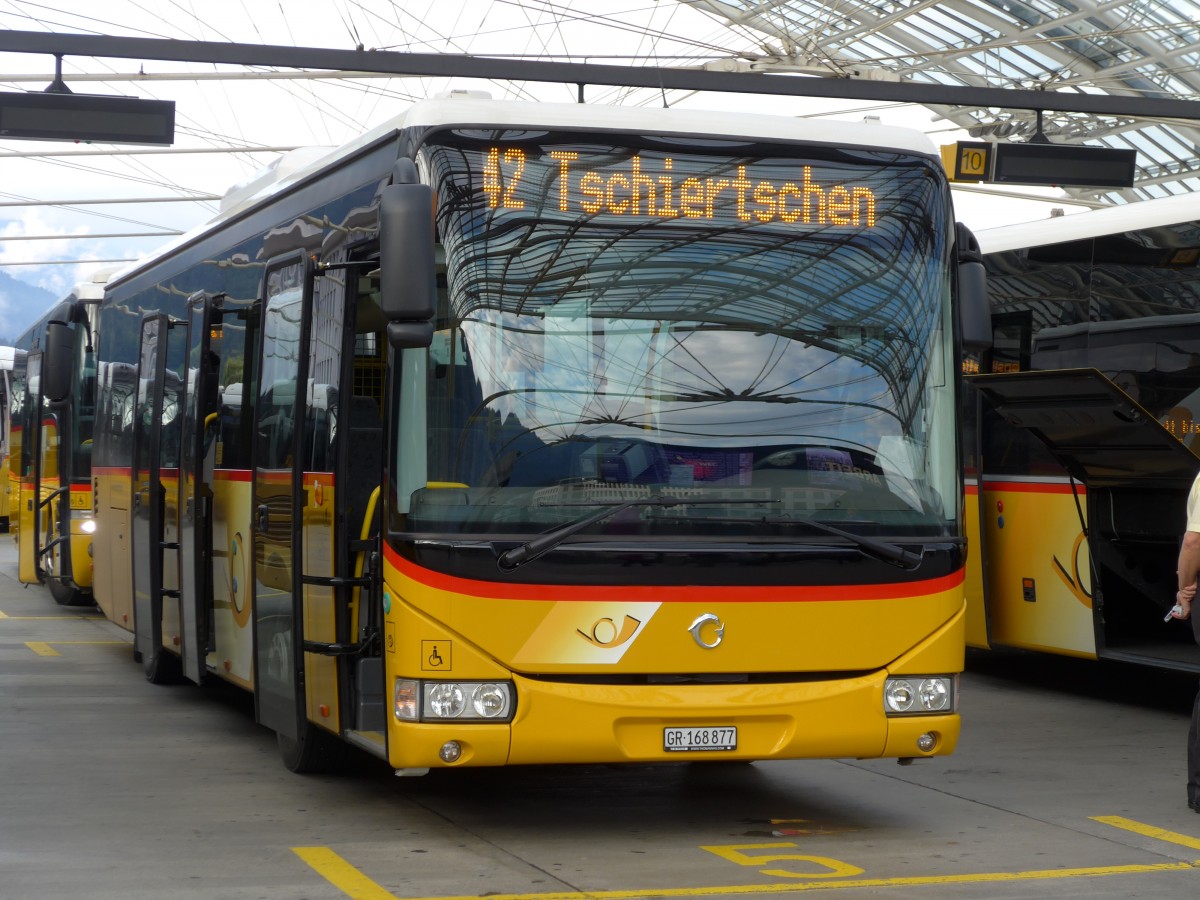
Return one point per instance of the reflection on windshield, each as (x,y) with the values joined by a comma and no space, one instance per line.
(585,354)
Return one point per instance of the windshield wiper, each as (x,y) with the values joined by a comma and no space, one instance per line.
(885,551)
(532,549)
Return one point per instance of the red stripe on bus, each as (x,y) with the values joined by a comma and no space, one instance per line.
(674,593)
(1034,487)
(220,474)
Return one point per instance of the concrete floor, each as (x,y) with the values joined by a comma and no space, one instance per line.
(1068,781)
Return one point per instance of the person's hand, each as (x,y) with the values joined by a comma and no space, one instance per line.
(1184,600)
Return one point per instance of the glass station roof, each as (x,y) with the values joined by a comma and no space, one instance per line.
(1145,48)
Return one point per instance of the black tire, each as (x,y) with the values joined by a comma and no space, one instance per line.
(162,667)
(65,595)
(315,752)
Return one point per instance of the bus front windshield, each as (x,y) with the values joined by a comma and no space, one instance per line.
(762,329)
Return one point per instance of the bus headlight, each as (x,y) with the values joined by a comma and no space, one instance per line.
(88,526)
(915,695)
(459,701)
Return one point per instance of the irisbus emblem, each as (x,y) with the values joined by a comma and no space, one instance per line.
(708,630)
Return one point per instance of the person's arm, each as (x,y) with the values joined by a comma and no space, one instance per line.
(1188,569)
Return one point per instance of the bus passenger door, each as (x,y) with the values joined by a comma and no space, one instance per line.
(52,489)
(196,463)
(148,515)
(1122,582)
(278,430)
(29,516)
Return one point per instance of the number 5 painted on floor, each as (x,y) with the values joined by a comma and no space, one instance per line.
(733,853)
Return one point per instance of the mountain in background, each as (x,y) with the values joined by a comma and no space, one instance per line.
(21,304)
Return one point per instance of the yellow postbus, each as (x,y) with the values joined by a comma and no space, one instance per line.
(8,360)
(534,433)
(1088,433)
(49,466)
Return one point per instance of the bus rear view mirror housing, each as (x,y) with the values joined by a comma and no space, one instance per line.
(974,314)
(58,353)
(407,279)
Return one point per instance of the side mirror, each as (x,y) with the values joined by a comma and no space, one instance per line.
(407,335)
(974,313)
(58,359)
(407,277)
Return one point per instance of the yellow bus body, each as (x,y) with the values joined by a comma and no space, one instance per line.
(438,627)
(1037,577)
(6,493)
(34,522)
(231,567)
(27,524)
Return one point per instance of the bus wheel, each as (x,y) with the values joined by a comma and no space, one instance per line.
(162,667)
(315,752)
(65,595)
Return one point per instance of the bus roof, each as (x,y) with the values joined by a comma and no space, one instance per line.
(470,109)
(1094,223)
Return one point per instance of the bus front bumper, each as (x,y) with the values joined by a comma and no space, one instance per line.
(564,722)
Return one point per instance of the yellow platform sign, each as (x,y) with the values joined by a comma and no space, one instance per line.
(968,160)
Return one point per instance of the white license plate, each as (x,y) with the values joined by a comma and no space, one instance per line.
(712,737)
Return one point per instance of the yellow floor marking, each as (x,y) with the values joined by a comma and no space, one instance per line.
(1160,834)
(3,616)
(342,875)
(43,648)
(77,617)
(358,886)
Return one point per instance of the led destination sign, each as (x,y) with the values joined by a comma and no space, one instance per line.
(653,188)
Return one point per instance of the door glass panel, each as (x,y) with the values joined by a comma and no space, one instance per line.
(50,517)
(146,517)
(275,443)
(28,522)
(197,457)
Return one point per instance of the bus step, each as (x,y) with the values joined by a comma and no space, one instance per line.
(371,741)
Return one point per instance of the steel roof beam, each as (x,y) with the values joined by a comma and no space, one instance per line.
(461,66)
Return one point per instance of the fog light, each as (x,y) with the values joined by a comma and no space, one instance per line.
(926,742)
(450,752)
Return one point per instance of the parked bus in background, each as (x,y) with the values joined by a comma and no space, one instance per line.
(50,464)
(1088,433)
(529,433)
(8,359)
